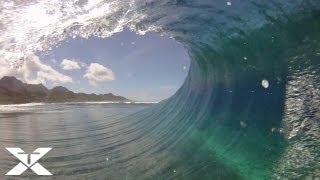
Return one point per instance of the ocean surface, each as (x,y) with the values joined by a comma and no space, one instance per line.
(87,138)
(248,109)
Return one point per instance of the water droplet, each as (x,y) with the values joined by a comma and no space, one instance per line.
(265,83)
(243,124)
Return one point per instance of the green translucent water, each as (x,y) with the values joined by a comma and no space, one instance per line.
(221,124)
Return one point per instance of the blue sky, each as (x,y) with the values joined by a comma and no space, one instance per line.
(145,68)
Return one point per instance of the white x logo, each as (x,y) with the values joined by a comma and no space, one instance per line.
(28,161)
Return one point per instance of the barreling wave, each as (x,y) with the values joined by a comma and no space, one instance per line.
(221,124)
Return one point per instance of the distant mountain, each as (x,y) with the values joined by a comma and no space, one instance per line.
(13,91)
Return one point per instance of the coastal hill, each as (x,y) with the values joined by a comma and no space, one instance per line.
(14,91)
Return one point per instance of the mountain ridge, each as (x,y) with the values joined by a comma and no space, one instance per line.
(14,91)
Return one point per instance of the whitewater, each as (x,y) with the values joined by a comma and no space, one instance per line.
(221,124)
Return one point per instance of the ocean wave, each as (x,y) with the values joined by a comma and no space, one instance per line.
(23,105)
(110,102)
(20,107)
(221,124)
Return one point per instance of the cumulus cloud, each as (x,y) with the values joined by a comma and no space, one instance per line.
(69,64)
(31,70)
(97,73)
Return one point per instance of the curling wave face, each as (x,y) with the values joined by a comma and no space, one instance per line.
(221,124)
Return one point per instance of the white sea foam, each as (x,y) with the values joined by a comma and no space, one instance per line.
(31,26)
(20,107)
(111,102)
(23,105)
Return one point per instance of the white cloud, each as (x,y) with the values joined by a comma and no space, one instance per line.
(97,73)
(69,64)
(30,70)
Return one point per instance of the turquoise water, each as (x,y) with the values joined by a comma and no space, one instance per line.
(221,124)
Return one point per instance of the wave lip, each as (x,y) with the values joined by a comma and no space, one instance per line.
(221,124)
